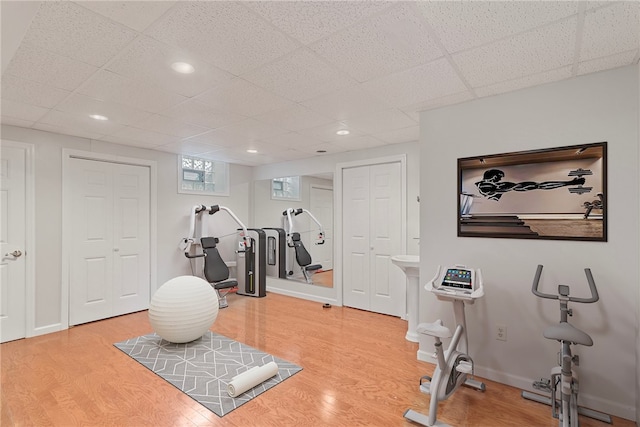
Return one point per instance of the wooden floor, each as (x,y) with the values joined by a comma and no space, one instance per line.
(358,370)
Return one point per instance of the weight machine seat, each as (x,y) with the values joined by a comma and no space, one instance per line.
(302,255)
(565,332)
(216,270)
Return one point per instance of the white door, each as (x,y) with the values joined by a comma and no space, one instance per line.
(12,243)
(372,225)
(385,229)
(321,206)
(109,257)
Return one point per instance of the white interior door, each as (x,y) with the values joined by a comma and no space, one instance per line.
(321,206)
(109,256)
(12,243)
(355,220)
(131,280)
(372,228)
(385,230)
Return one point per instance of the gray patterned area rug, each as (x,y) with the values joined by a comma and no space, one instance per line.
(203,368)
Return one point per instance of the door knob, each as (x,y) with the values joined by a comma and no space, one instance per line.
(15,254)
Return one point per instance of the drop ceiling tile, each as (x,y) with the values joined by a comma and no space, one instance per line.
(15,122)
(523,82)
(75,32)
(241,97)
(21,111)
(150,61)
(169,126)
(419,84)
(117,113)
(414,110)
(28,92)
(346,103)
(607,62)
(327,133)
(249,130)
(188,147)
(462,25)
(295,117)
(320,149)
(134,14)
(533,52)
(128,142)
(308,21)
(386,43)
(80,122)
(291,140)
(299,76)
(228,34)
(143,136)
(288,155)
(610,30)
(109,86)
(357,143)
(195,112)
(398,136)
(381,121)
(73,131)
(36,64)
(214,138)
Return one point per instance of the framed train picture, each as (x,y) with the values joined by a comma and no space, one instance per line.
(556,193)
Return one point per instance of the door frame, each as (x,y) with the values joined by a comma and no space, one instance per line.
(30,245)
(67,156)
(338,236)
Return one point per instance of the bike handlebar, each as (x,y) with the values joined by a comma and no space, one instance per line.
(592,288)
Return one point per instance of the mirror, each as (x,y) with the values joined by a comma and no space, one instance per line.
(316,197)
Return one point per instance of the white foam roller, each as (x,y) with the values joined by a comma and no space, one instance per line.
(251,378)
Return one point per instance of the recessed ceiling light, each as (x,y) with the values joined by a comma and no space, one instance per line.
(252,151)
(183,67)
(342,132)
(98,117)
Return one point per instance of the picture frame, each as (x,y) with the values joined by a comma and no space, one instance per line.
(556,194)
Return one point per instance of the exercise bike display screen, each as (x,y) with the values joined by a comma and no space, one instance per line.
(458,278)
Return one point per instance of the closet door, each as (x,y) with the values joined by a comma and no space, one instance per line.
(109,259)
(131,280)
(372,226)
(355,219)
(91,256)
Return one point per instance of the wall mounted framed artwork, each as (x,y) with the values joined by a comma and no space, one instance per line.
(556,194)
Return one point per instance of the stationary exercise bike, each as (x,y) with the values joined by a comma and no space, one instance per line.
(565,408)
(459,286)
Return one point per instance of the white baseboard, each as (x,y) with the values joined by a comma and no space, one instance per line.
(301,295)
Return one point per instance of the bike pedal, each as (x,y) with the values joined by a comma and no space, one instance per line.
(464,367)
(543,384)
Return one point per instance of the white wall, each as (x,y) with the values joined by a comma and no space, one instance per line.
(591,108)
(172,211)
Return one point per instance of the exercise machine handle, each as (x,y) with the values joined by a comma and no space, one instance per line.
(194,256)
(592,288)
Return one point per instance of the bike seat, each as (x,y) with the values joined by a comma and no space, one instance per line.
(565,332)
(435,329)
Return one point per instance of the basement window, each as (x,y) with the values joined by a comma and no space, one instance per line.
(202,176)
(285,188)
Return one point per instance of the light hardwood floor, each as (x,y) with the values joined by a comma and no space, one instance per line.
(358,370)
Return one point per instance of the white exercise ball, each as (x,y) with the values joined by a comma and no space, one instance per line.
(183,309)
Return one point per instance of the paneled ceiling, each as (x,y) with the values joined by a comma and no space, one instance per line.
(283,77)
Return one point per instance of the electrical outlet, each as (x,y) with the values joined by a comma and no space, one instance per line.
(501,332)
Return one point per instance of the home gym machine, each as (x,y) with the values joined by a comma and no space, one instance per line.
(459,285)
(297,253)
(564,378)
(276,252)
(250,252)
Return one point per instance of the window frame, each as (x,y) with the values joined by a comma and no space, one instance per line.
(215,165)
